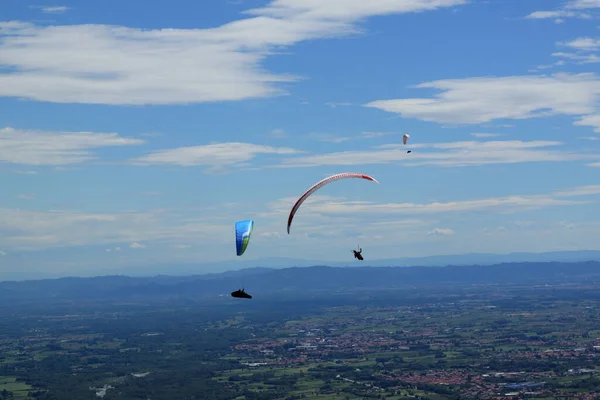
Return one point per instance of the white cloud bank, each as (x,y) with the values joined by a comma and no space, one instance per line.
(451,154)
(31,147)
(119,65)
(584,47)
(485,99)
(217,155)
(22,230)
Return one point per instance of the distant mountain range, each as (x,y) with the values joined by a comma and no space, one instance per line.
(431,261)
(268,282)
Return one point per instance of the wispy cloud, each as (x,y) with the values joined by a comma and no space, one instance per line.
(320,216)
(584,48)
(590,120)
(278,134)
(217,156)
(52,9)
(55,148)
(479,100)
(324,205)
(26,196)
(558,15)
(578,57)
(121,65)
(36,230)
(582,43)
(571,9)
(324,137)
(441,232)
(376,134)
(181,246)
(338,104)
(451,154)
(55,9)
(485,135)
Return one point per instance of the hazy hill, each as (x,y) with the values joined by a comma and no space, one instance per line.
(432,261)
(265,281)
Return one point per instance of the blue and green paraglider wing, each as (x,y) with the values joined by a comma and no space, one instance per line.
(243,231)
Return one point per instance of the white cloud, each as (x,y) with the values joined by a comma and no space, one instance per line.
(485,135)
(25,172)
(592,138)
(558,16)
(571,9)
(590,120)
(120,65)
(583,4)
(29,230)
(136,245)
(327,216)
(338,104)
(55,148)
(450,154)
(278,134)
(596,164)
(115,249)
(320,216)
(217,155)
(26,196)
(181,246)
(55,9)
(502,204)
(583,43)
(580,58)
(51,9)
(589,190)
(376,134)
(479,100)
(441,232)
(324,137)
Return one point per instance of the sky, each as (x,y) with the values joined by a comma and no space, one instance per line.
(137,133)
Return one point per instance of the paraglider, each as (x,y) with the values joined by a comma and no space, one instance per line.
(243,232)
(358,254)
(405,138)
(319,185)
(240,294)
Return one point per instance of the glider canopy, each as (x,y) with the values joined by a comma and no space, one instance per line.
(320,184)
(243,232)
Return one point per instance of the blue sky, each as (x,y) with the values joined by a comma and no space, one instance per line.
(137,134)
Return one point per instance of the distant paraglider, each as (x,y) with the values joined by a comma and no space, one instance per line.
(319,185)
(405,138)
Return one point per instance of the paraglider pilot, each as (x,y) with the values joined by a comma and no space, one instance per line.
(357,254)
(240,294)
